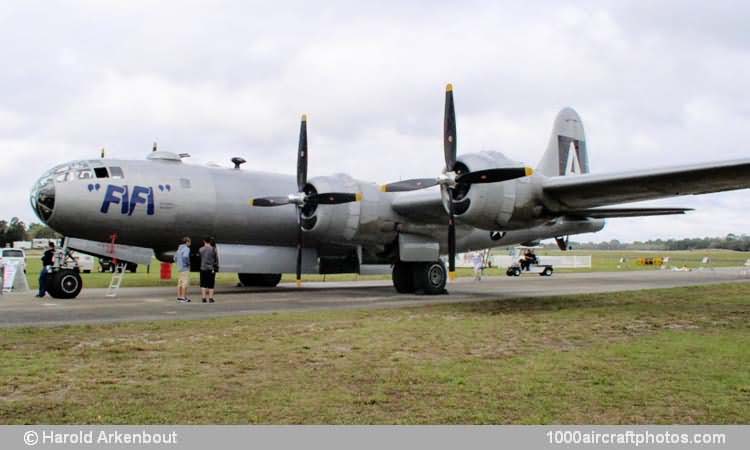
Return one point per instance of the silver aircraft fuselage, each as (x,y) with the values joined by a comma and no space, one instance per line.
(153,203)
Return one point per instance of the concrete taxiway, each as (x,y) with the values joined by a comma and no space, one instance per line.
(92,306)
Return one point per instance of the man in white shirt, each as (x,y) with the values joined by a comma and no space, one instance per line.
(478,263)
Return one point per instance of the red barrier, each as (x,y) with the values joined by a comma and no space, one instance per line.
(166,271)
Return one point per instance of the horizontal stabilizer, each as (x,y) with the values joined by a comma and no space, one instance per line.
(606,213)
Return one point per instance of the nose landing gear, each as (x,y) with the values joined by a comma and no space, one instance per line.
(64,283)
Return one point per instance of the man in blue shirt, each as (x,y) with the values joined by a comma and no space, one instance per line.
(182,258)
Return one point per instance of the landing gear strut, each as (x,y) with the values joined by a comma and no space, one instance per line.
(424,278)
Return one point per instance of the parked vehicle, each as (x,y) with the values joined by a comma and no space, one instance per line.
(10,255)
(106,265)
(85,262)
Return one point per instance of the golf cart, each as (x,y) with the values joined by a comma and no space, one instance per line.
(532,266)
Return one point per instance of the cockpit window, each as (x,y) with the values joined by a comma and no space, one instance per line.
(63,177)
(115,172)
(101,172)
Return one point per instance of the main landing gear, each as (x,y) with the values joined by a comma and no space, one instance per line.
(425,278)
(259,279)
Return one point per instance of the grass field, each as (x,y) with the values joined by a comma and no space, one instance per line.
(660,356)
(601,261)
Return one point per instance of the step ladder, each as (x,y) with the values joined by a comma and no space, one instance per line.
(116,282)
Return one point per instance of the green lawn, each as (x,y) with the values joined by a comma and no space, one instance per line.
(659,356)
(601,261)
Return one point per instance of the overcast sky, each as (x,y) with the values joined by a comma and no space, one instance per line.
(656,84)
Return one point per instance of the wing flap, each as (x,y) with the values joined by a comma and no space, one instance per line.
(607,213)
(591,191)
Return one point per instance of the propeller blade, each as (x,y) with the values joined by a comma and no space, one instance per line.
(494,175)
(409,185)
(302,155)
(333,198)
(299,247)
(451,237)
(269,201)
(449,129)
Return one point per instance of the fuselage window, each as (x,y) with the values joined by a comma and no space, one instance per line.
(184,183)
(101,172)
(115,172)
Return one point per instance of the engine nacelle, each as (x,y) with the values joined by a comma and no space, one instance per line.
(365,221)
(495,206)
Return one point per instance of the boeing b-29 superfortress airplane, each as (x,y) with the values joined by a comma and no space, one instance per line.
(267,224)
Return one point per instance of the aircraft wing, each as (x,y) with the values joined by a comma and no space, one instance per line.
(423,206)
(580,192)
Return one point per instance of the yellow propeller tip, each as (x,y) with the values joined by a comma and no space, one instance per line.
(452,276)
(383,188)
(448,87)
(304,117)
(359,196)
(250,202)
(529,171)
(299,283)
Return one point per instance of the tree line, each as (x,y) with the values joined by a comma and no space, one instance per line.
(16,230)
(731,241)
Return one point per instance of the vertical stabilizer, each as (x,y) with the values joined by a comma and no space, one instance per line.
(566,152)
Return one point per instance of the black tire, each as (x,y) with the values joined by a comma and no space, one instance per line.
(403,277)
(547,272)
(517,272)
(259,279)
(509,272)
(65,284)
(430,278)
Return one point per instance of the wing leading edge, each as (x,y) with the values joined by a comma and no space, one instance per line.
(582,192)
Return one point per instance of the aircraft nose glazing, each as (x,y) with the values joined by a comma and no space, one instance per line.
(43,198)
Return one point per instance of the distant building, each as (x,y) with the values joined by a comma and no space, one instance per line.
(43,243)
(26,245)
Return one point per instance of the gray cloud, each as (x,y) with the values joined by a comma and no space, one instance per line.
(656,84)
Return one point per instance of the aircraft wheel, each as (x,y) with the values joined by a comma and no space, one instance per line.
(430,278)
(259,279)
(403,277)
(65,284)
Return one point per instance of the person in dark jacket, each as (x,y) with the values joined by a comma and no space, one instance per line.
(48,259)
(209,267)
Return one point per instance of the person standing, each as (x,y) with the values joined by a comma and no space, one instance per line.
(209,265)
(478,263)
(48,259)
(182,259)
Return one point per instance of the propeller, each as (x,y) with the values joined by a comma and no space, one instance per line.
(301,198)
(452,177)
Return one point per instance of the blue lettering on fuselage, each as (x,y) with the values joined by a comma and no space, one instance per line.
(120,195)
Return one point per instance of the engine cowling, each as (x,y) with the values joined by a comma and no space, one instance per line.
(364,221)
(494,206)
(325,221)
